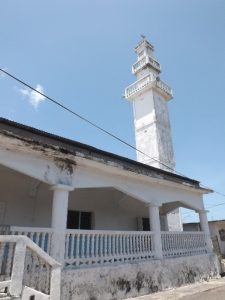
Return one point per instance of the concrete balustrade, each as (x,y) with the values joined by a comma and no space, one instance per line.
(28,269)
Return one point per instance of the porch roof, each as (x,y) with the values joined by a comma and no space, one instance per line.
(67,146)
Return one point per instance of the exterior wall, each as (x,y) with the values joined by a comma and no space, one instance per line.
(130,280)
(214,228)
(112,210)
(174,221)
(24,201)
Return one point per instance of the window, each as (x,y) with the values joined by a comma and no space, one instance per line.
(145,224)
(79,220)
(141,54)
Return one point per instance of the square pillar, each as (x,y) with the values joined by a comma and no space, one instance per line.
(155,229)
(205,228)
(59,220)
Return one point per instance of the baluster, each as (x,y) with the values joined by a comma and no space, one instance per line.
(151,244)
(92,245)
(173,239)
(119,245)
(148,245)
(77,248)
(38,237)
(176,243)
(9,259)
(141,243)
(133,244)
(82,245)
(97,245)
(163,242)
(110,245)
(145,243)
(169,239)
(88,248)
(124,244)
(42,241)
(113,245)
(116,244)
(31,235)
(49,242)
(101,247)
(128,244)
(138,244)
(105,245)
(72,244)
(67,246)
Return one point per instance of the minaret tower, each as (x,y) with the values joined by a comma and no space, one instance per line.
(149,95)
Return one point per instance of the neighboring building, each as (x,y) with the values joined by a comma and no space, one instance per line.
(149,95)
(102,216)
(217,233)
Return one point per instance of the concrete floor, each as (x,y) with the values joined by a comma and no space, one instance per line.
(211,290)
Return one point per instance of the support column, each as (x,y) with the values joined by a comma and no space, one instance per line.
(59,220)
(205,228)
(155,229)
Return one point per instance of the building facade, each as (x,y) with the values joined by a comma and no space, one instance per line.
(81,205)
(103,217)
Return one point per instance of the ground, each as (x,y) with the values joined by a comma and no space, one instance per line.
(211,290)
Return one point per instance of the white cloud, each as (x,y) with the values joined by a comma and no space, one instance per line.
(34,98)
(2,74)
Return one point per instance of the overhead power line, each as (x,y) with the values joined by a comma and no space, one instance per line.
(58,103)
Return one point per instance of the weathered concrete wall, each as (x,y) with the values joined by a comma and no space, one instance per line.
(130,280)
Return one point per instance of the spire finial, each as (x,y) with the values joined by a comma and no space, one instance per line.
(143,36)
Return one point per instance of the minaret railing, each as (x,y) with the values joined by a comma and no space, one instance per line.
(145,61)
(140,84)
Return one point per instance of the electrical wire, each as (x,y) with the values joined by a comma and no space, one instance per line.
(94,124)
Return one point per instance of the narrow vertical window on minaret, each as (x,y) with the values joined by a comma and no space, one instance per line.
(149,96)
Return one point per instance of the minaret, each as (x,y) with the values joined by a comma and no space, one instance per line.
(149,95)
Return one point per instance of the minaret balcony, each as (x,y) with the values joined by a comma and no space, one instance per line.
(149,81)
(144,62)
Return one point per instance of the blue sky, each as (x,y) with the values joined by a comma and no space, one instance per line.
(80,53)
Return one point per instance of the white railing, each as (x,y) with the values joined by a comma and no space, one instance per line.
(183,243)
(138,85)
(143,82)
(25,268)
(87,247)
(144,61)
(163,86)
(91,247)
(40,236)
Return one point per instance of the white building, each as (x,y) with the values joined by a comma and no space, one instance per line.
(102,216)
